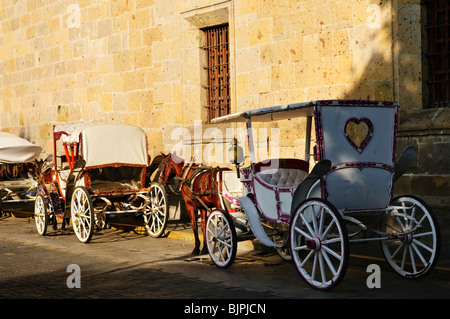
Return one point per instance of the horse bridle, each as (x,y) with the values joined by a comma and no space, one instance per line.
(162,168)
(163,180)
(181,180)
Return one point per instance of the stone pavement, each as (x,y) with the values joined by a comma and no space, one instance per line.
(181,229)
(102,279)
(35,267)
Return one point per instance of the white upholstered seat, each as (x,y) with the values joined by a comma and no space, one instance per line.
(284,177)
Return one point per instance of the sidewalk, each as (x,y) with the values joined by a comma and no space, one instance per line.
(183,231)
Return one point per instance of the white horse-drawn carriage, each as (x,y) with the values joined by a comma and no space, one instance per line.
(99,171)
(316,213)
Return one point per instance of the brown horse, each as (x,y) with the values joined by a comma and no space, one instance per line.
(199,188)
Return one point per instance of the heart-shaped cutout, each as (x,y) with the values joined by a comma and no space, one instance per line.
(358,132)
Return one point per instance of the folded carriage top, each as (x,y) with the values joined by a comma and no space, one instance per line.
(14,149)
(107,144)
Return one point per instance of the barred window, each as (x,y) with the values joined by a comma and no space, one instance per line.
(438,57)
(218,71)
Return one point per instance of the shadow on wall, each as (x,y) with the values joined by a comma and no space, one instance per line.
(387,65)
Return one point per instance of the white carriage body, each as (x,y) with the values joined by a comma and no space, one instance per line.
(273,183)
(359,138)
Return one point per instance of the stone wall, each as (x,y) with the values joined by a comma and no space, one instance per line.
(140,62)
(429,177)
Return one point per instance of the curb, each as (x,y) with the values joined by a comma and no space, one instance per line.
(188,235)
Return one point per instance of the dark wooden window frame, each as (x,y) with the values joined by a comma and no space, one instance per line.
(438,55)
(218,71)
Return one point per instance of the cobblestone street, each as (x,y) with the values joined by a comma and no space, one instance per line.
(126,265)
(43,274)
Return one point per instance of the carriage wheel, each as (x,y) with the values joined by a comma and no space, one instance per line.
(155,216)
(100,220)
(221,238)
(414,247)
(319,244)
(82,212)
(41,216)
(284,251)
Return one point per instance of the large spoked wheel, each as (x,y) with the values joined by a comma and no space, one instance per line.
(319,244)
(41,215)
(415,239)
(284,251)
(82,213)
(155,216)
(221,238)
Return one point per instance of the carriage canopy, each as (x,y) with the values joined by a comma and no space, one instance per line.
(271,113)
(114,144)
(14,149)
(107,144)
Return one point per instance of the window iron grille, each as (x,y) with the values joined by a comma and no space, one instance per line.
(218,71)
(438,57)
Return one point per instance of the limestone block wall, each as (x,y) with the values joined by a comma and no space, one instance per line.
(87,61)
(141,62)
(307,50)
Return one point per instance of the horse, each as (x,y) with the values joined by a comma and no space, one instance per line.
(199,188)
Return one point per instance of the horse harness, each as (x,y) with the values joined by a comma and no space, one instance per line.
(205,174)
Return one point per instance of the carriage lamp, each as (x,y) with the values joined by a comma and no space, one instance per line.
(236,155)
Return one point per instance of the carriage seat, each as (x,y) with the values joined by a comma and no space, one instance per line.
(110,178)
(285,173)
(284,177)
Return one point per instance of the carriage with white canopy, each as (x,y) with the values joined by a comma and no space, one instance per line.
(99,172)
(17,174)
(316,213)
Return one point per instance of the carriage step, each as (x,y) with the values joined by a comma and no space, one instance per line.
(255,222)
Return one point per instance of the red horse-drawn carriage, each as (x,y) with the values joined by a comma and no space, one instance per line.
(99,171)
